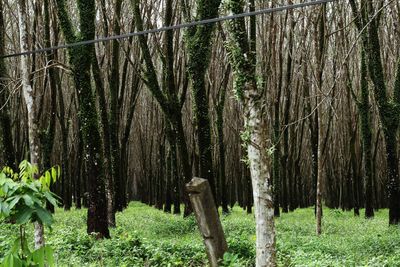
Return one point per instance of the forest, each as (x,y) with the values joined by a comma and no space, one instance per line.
(199,133)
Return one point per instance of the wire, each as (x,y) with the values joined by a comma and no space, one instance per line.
(173,27)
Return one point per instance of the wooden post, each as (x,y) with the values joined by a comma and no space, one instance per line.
(207,219)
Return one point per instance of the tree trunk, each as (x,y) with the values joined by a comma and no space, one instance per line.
(262,189)
(29,97)
(320,41)
(120,198)
(106,130)
(199,49)
(388,108)
(97,214)
(6,139)
(255,137)
(207,219)
(221,145)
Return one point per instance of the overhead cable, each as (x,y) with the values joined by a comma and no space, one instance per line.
(174,27)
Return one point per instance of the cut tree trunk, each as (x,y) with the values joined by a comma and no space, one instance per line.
(207,219)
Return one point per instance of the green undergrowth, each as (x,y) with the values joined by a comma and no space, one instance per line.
(148,237)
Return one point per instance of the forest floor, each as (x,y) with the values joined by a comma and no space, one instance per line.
(148,237)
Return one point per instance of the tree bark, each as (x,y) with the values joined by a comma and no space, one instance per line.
(320,41)
(207,219)
(255,136)
(97,214)
(29,96)
(120,197)
(199,41)
(6,138)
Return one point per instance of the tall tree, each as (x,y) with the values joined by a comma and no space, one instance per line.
(389,107)
(320,48)
(29,97)
(167,95)
(120,195)
(243,60)
(6,139)
(199,39)
(364,109)
(47,136)
(81,60)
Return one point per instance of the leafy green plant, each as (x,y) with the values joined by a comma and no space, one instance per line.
(229,260)
(23,197)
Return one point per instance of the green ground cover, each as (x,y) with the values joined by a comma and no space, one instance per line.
(148,237)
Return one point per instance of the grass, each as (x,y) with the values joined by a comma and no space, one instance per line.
(148,237)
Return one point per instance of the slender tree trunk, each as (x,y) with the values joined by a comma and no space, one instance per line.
(47,137)
(29,96)
(199,41)
(365,117)
(6,139)
(262,189)
(243,62)
(168,181)
(320,59)
(167,98)
(221,145)
(106,129)
(120,197)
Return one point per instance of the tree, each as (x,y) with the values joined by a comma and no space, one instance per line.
(320,47)
(6,139)
(81,60)
(120,195)
(33,130)
(243,60)
(364,108)
(366,16)
(199,39)
(167,95)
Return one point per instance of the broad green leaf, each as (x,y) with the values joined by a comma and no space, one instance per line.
(50,198)
(5,209)
(28,200)
(26,249)
(13,201)
(16,246)
(8,261)
(5,188)
(49,256)
(42,180)
(17,262)
(33,187)
(38,256)
(24,215)
(48,178)
(36,200)
(44,215)
(54,174)
(3,178)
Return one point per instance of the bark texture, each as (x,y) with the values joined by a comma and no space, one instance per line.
(207,219)
(29,97)
(6,139)
(255,136)
(81,61)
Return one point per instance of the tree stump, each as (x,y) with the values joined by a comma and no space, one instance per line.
(207,219)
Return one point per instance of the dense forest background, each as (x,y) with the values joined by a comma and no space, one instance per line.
(163,109)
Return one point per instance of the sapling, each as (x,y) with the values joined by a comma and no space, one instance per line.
(23,200)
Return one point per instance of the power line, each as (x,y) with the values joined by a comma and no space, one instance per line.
(174,27)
